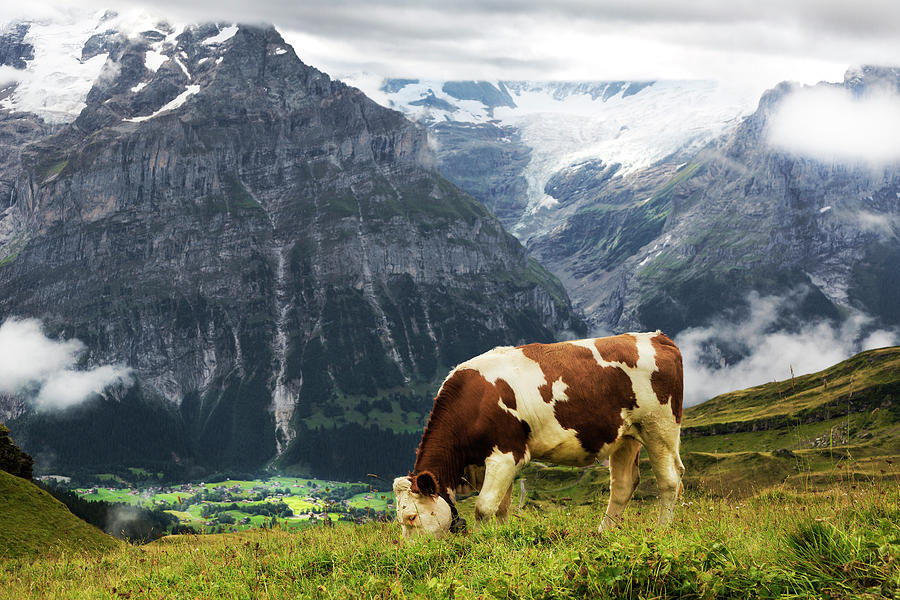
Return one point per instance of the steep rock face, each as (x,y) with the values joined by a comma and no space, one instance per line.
(14,50)
(266,247)
(746,216)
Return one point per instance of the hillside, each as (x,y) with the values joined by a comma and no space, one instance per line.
(840,544)
(37,524)
(866,381)
(842,423)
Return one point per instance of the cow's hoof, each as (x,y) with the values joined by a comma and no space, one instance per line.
(458,525)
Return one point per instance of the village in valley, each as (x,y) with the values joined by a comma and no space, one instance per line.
(236,505)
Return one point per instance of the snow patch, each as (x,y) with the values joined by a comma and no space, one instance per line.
(224,35)
(173,104)
(139,87)
(183,68)
(154,60)
(55,84)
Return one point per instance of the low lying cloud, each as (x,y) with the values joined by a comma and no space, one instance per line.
(44,370)
(832,124)
(727,356)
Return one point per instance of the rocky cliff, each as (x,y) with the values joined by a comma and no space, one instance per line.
(272,253)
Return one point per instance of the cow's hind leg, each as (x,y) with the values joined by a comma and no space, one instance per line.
(624,476)
(662,446)
(493,499)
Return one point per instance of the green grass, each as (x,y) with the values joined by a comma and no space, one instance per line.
(374,500)
(846,383)
(840,543)
(10,252)
(34,524)
(50,170)
(190,514)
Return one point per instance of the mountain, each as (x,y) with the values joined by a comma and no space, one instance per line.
(665,204)
(747,216)
(271,252)
(527,148)
(581,172)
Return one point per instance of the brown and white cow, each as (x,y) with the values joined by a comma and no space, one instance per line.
(569,403)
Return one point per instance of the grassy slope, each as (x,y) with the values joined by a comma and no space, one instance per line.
(826,524)
(841,543)
(804,432)
(34,523)
(867,372)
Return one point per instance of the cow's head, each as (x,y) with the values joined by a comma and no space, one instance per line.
(420,510)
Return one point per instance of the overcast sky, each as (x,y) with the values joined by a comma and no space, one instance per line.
(757,41)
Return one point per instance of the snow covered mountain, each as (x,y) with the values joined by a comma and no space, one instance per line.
(52,64)
(505,141)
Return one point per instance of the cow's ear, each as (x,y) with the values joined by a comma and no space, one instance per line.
(425,484)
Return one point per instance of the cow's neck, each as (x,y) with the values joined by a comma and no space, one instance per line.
(444,464)
(440,451)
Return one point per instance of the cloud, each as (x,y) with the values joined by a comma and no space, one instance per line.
(766,41)
(881,223)
(727,356)
(832,124)
(44,369)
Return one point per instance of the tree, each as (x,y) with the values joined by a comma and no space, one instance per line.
(12,459)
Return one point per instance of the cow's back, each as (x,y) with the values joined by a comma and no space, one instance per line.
(577,398)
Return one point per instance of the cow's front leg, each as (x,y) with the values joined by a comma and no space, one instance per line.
(500,469)
(503,509)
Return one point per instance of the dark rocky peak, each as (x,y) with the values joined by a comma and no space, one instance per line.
(580,180)
(872,76)
(14,52)
(392,86)
(102,43)
(258,64)
(482,91)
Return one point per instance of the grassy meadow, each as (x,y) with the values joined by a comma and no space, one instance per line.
(842,542)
